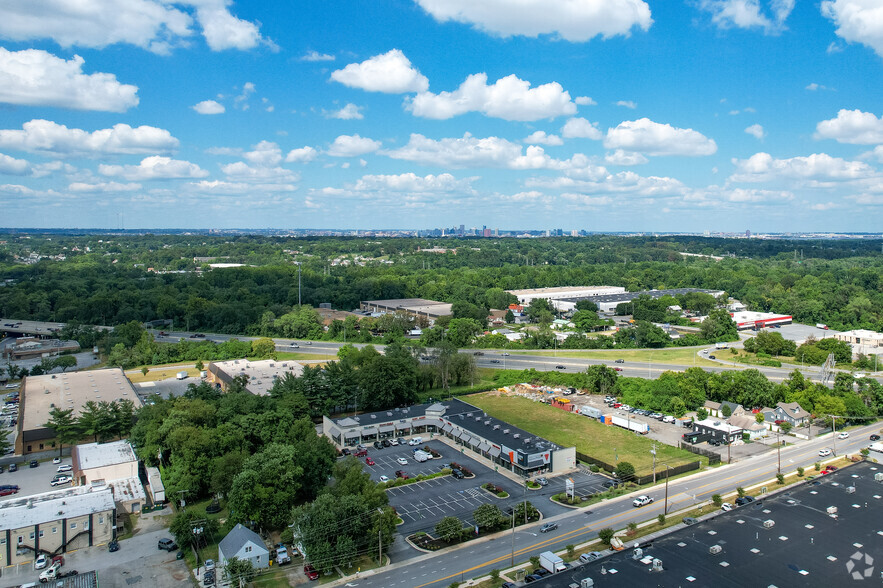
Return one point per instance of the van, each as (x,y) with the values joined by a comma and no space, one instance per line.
(416,441)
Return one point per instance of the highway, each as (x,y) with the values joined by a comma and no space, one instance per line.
(478,558)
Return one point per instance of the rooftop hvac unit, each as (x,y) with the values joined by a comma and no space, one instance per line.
(769,524)
(487,423)
(638,553)
(586,583)
(831,510)
(496,427)
(505,431)
(715,549)
(477,419)
(469,414)
(388,413)
(878,477)
(657,565)
(516,436)
(850,489)
(373,416)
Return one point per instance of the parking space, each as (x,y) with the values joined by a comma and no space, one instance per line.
(33,480)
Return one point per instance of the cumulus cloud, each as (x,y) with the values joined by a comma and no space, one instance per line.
(241,101)
(265,154)
(468,151)
(645,136)
(508,98)
(411,182)
(541,138)
(748,14)
(352,146)
(391,73)
(580,128)
(822,206)
(11,166)
(155,25)
(348,112)
(221,187)
(316,56)
(301,155)
(627,104)
(584,101)
(756,131)
(762,167)
(36,78)
(621,157)
(565,19)
(44,136)
(625,182)
(102,187)
(852,126)
(813,87)
(244,172)
(857,21)
(209,107)
(155,167)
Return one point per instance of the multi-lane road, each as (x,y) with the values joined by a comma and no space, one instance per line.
(479,558)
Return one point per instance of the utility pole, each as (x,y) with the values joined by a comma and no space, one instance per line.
(834,432)
(653,452)
(779,452)
(665,504)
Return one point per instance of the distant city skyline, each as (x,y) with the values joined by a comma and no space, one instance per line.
(601,115)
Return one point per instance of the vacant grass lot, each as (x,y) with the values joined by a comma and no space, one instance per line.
(607,443)
(686,357)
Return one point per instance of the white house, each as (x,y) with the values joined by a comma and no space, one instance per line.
(243,544)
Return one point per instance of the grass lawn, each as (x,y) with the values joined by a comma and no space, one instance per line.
(607,443)
(304,357)
(484,379)
(163,372)
(675,356)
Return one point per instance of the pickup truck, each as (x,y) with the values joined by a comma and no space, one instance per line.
(53,573)
(282,556)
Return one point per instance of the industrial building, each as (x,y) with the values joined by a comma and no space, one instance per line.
(113,464)
(502,443)
(564,293)
(33,347)
(41,394)
(863,341)
(759,320)
(609,302)
(413,306)
(55,522)
(259,375)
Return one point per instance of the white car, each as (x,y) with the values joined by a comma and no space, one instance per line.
(824,452)
(843,435)
(393,441)
(65,468)
(56,460)
(641,501)
(384,479)
(60,480)
(41,561)
(402,461)
(726,507)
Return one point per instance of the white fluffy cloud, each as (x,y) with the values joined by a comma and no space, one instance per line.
(103,187)
(541,138)
(265,154)
(508,98)
(154,168)
(852,126)
(645,136)
(566,19)
(584,101)
(762,167)
(756,131)
(348,112)
(411,182)
(243,172)
(316,56)
(580,128)
(468,151)
(625,182)
(857,21)
(620,157)
(209,107)
(36,78)
(302,155)
(390,72)
(748,14)
(221,187)
(352,146)
(156,25)
(627,104)
(11,166)
(44,136)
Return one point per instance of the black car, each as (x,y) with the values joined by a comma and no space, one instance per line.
(743,500)
(875,437)
(344,452)
(113,546)
(560,367)
(711,357)
(690,521)
(34,463)
(508,585)
(532,578)
(378,445)
(457,474)
(610,484)
(167,544)
(386,443)
(542,572)
(495,361)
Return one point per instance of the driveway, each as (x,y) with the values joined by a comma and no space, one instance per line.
(32,480)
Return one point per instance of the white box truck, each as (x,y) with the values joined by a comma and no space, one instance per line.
(552,562)
(422,456)
(878,447)
(631,425)
(181,375)
(720,345)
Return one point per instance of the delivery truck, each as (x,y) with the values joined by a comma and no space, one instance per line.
(181,375)
(631,425)
(591,411)
(552,562)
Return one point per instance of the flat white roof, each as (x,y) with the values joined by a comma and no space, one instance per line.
(98,455)
(567,290)
(40,394)
(261,374)
(127,490)
(747,316)
(50,506)
(713,423)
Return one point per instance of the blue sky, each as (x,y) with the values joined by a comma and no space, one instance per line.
(682,115)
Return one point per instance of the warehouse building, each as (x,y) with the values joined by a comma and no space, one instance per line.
(414,306)
(502,443)
(609,302)
(260,376)
(759,320)
(55,522)
(41,394)
(564,293)
(113,464)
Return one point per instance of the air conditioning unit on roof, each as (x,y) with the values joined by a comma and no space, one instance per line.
(769,524)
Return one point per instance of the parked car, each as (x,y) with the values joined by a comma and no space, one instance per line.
(60,479)
(726,507)
(690,521)
(386,443)
(402,461)
(34,463)
(41,562)
(548,527)
(345,451)
(402,441)
(361,453)
(824,452)
(401,474)
(590,556)
(369,461)
(13,467)
(831,468)
(743,500)
(167,544)
(378,445)
(416,441)
(113,546)
(63,468)
(642,500)
(311,572)
(393,442)
(384,478)
(542,481)
(532,578)
(458,474)
(843,435)
(56,460)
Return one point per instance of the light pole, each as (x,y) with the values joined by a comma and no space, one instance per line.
(779,452)
(834,433)
(653,452)
(665,504)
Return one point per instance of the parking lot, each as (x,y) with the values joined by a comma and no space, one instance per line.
(33,480)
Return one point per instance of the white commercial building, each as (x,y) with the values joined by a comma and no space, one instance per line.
(552,294)
(260,376)
(114,464)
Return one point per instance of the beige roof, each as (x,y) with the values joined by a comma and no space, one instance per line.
(40,394)
(99,455)
(36,509)
(261,374)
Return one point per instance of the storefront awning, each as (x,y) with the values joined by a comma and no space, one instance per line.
(386,428)
(447,428)
(494,451)
(350,434)
(403,426)
(458,434)
(333,432)
(369,431)
(433,422)
(484,446)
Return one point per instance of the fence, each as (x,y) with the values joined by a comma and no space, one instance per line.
(647,478)
(713,458)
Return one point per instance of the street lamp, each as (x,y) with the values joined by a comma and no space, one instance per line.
(665,504)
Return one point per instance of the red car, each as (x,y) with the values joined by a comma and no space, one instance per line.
(824,472)
(369,461)
(311,572)
(362,453)
(831,468)
(619,369)
(8,492)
